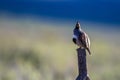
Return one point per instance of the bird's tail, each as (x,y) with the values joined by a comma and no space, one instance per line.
(88,51)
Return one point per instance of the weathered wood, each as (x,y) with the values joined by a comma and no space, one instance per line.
(82,66)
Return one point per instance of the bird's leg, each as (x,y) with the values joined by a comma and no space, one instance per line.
(79,47)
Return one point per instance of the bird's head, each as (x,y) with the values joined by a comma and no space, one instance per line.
(77,25)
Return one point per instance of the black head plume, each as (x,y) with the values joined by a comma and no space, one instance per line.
(77,25)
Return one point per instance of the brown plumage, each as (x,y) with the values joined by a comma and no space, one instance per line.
(80,38)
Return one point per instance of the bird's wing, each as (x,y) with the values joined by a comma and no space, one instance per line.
(85,40)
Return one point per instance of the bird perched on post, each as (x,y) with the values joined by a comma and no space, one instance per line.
(80,38)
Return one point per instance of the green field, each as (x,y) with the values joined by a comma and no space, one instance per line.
(36,50)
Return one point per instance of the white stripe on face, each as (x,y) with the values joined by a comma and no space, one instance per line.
(74,36)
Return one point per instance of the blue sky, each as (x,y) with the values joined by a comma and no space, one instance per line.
(104,11)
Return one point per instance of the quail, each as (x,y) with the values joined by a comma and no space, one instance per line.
(80,38)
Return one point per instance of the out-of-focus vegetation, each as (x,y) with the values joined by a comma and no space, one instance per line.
(32,50)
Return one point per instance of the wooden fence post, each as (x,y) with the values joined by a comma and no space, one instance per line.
(82,65)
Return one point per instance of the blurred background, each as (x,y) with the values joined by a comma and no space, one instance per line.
(36,39)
